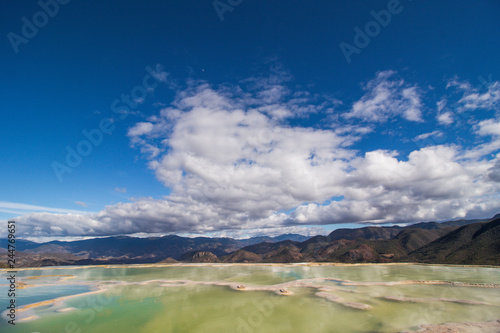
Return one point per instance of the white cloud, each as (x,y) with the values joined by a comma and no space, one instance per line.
(445,118)
(424,136)
(5,206)
(489,127)
(441,104)
(488,100)
(158,73)
(476,98)
(235,165)
(494,171)
(80,203)
(432,185)
(140,129)
(387,96)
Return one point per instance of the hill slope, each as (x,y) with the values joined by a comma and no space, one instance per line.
(477,243)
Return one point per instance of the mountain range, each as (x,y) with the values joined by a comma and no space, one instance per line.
(452,242)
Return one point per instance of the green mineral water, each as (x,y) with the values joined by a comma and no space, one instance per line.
(247,298)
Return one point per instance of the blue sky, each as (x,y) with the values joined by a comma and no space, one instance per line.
(256,123)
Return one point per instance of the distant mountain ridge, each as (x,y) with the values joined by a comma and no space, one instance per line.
(453,242)
(124,249)
(472,243)
(455,223)
(371,233)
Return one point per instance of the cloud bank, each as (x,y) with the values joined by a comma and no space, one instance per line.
(237,160)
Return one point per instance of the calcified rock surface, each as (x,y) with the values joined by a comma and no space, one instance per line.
(324,291)
(340,300)
(481,327)
(427,300)
(446,283)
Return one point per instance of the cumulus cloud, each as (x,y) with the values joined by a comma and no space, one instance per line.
(387,96)
(494,171)
(489,127)
(432,184)
(236,165)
